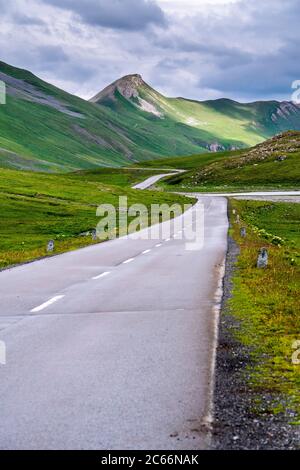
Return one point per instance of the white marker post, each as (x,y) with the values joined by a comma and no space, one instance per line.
(2,93)
(2,353)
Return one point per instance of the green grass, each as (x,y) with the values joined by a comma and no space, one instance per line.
(38,207)
(116,176)
(266,301)
(190,162)
(225,177)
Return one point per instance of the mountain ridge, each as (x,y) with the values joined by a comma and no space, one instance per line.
(142,95)
(43,128)
(138,80)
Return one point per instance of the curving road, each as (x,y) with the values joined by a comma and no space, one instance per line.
(112,346)
(154,179)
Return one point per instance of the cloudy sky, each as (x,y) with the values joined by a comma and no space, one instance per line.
(201,49)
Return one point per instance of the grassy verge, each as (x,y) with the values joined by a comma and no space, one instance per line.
(266,301)
(38,207)
(124,177)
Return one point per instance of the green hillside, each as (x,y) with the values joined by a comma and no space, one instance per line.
(274,164)
(43,128)
(190,162)
(222,124)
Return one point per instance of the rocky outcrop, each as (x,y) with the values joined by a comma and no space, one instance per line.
(216,147)
(134,89)
(284,110)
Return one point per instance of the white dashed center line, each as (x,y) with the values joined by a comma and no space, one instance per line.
(101,275)
(46,304)
(128,261)
(146,252)
(158,245)
(168,239)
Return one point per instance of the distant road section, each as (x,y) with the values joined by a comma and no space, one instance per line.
(154,179)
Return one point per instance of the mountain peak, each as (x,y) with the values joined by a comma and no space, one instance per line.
(134,90)
(128,86)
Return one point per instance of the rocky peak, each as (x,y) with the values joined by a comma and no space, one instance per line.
(127,86)
(130,88)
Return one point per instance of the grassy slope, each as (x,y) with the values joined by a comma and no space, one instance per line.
(37,136)
(246,170)
(190,162)
(227,128)
(224,121)
(124,177)
(266,301)
(44,138)
(37,207)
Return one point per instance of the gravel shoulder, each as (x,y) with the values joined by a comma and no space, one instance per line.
(237,426)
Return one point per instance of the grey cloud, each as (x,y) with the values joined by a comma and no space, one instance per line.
(25,20)
(219,53)
(170,65)
(251,51)
(51,54)
(267,76)
(17,15)
(119,14)
(4,7)
(54,60)
(247,50)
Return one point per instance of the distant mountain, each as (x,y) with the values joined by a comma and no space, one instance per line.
(132,88)
(223,124)
(45,128)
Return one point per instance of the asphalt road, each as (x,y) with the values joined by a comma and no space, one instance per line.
(112,346)
(154,179)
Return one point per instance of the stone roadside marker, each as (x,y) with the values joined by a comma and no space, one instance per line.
(50,246)
(263,258)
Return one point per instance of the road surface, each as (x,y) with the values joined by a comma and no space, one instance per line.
(112,346)
(154,179)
